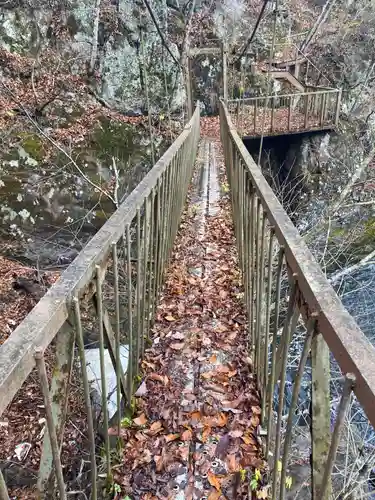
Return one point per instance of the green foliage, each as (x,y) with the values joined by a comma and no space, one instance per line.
(33,145)
(126,422)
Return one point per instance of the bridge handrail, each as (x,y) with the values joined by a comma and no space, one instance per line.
(349,345)
(261,224)
(102,279)
(41,325)
(296,94)
(283,113)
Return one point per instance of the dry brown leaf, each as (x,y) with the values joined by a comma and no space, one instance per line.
(196,415)
(155,428)
(222,369)
(222,420)
(170,318)
(212,358)
(248,439)
(205,434)
(159,462)
(214,481)
(177,346)
(141,420)
(232,463)
(214,495)
(234,403)
(187,435)
(159,378)
(171,437)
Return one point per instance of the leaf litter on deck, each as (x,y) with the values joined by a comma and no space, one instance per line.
(194,434)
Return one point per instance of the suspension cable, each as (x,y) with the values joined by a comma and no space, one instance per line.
(154,20)
(272,51)
(254,30)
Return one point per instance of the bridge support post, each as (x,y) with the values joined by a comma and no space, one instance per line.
(320,418)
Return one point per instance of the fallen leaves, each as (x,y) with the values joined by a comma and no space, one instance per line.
(222,447)
(177,346)
(141,420)
(198,394)
(187,435)
(159,378)
(171,437)
(170,318)
(155,428)
(214,481)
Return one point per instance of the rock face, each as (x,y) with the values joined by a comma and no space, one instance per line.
(120,71)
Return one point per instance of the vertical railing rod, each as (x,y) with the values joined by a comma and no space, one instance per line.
(311,330)
(261,299)
(267,325)
(117,332)
(341,414)
(286,336)
(253,268)
(271,382)
(146,246)
(130,317)
(150,306)
(99,301)
(41,367)
(257,289)
(86,389)
(139,281)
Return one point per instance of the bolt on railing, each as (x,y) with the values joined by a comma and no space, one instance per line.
(284,113)
(298,333)
(111,288)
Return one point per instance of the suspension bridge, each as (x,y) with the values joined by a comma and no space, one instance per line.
(116,284)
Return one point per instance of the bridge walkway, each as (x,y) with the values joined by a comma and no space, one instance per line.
(200,408)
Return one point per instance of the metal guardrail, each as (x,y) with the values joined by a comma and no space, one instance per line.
(112,287)
(285,113)
(285,292)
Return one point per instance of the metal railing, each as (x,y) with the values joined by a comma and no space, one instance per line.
(293,315)
(111,289)
(285,113)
